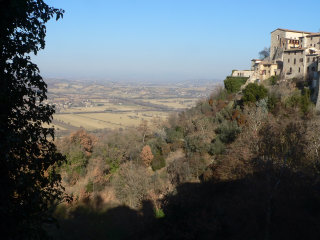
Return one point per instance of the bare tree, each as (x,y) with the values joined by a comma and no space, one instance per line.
(263,54)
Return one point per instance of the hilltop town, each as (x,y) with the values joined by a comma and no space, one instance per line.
(294,55)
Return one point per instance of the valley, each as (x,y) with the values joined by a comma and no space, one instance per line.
(98,106)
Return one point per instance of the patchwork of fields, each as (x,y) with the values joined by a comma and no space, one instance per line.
(117,106)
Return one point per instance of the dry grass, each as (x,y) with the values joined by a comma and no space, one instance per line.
(56,126)
(106,106)
(179,103)
(92,121)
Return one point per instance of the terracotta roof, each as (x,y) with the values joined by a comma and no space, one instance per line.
(288,30)
(256,60)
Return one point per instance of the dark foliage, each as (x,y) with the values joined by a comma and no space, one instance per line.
(29,183)
(254,92)
(235,209)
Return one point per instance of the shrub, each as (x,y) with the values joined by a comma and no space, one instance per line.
(254,92)
(300,100)
(273,100)
(197,165)
(131,184)
(89,186)
(75,165)
(205,108)
(179,171)
(195,144)
(158,212)
(274,79)
(158,162)
(216,147)
(228,131)
(293,100)
(305,102)
(233,84)
(174,134)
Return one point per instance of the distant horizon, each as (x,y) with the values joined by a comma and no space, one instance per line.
(104,80)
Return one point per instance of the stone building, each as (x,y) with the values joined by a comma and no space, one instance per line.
(285,39)
(294,63)
(267,69)
(242,73)
(300,63)
(293,54)
(255,64)
(312,41)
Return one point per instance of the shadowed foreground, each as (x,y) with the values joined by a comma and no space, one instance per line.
(256,207)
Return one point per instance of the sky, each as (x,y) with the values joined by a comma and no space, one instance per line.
(165,40)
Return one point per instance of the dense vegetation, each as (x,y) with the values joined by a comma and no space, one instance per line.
(226,169)
(233,84)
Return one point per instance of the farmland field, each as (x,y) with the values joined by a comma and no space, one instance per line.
(95,106)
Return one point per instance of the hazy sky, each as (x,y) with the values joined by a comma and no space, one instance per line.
(165,40)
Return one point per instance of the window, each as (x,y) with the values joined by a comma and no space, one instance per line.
(307,69)
(288,60)
(313,59)
(308,59)
(294,61)
(301,59)
(277,37)
(295,53)
(290,70)
(299,69)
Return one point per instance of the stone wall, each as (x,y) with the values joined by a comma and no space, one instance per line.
(280,42)
(293,64)
(242,73)
(313,41)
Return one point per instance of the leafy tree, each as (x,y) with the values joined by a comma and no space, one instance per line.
(174,134)
(274,79)
(158,161)
(29,183)
(254,92)
(233,84)
(228,131)
(216,147)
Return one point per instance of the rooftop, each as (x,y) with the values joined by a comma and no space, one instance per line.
(314,35)
(288,30)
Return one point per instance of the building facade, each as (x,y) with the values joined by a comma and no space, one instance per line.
(242,73)
(293,55)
